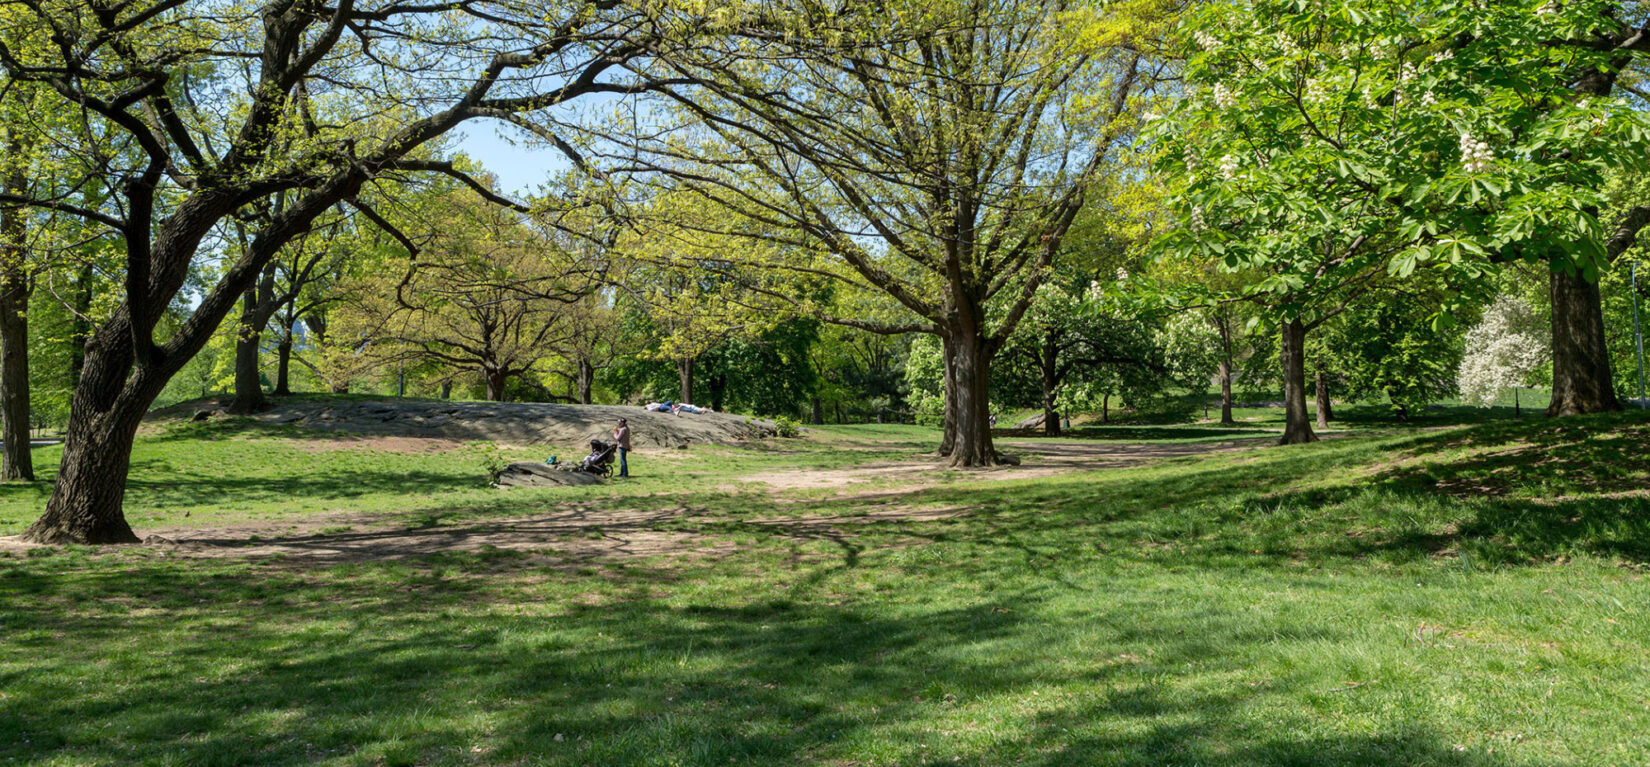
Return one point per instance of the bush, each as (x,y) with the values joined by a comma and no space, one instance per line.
(787,426)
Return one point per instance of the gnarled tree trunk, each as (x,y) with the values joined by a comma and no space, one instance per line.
(109,403)
(1581,361)
(1297,427)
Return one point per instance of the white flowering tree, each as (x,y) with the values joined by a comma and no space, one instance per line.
(1325,147)
(1507,349)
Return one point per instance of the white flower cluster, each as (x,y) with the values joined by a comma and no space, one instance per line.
(1223,96)
(1507,348)
(1549,9)
(1427,99)
(1475,154)
(1316,92)
(1443,55)
(1228,167)
(1406,78)
(1287,45)
(1206,41)
(1197,222)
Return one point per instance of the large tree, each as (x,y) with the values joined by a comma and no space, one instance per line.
(932,152)
(486,292)
(1464,136)
(226,106)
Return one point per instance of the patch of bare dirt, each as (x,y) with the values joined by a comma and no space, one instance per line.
(320,444)
(1041,459)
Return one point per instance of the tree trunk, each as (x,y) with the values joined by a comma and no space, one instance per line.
(249,390)
(108,406)
(684,377)
(494,380)
(1297,428)
(818,411)
(718,391)
(971,383)
(16,463)
(80,328)
(1105,408)
(1581,360)
(1324,413)
(948,395)
(1225,329)
(283,364)
(586,380)
(1226,418)
(1048,367)
(446,389)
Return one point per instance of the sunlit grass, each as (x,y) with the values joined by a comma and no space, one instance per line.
(1451,597)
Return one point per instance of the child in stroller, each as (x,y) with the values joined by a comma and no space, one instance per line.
(600,460)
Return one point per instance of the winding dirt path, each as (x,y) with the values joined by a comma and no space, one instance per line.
(576,535)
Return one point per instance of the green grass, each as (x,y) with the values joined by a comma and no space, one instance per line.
(1470,597)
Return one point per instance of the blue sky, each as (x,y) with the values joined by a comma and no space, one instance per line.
(520,168)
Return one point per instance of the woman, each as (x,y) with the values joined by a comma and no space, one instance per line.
(621,437)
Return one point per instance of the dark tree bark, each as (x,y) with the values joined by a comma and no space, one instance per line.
(948,418)
(1105,408)
(16,462)
(249,390)
(283,364)
(1581,361)
(718,390)
(585,380)
(1324,413)
(684,379)
(971,368)
(257,306)
(1048,368)
(1223,326)
(818,417)
(447,389)
(1297,426)
(494,380)
(1225,374)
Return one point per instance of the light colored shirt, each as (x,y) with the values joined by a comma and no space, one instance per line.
(621,435)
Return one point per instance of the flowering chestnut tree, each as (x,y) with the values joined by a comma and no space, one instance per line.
(1505,350)
(1327,146)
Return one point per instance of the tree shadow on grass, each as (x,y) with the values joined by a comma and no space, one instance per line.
(429,677)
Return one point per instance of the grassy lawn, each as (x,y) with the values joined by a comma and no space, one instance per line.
(1466,596)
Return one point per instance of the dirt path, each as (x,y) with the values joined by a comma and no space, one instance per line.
(1041,459)
(577,535)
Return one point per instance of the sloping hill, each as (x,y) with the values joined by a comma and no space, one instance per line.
(523,423)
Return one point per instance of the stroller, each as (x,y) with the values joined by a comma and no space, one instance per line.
(600,460)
